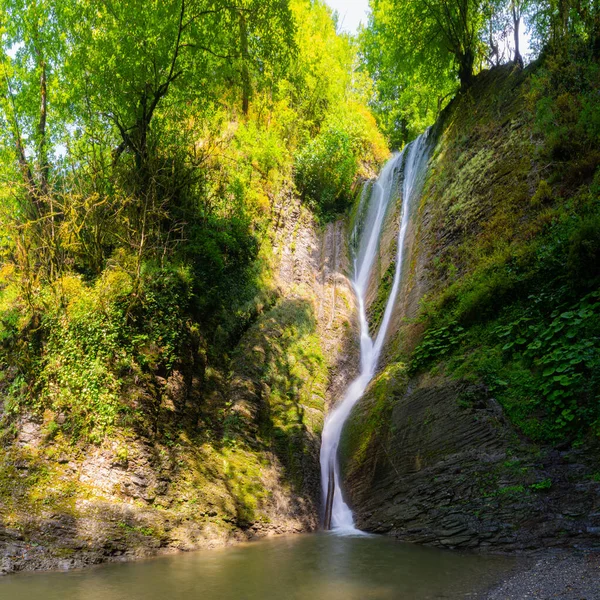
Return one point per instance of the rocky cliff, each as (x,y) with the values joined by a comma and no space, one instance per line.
(234,450)
(443,466)
(465,438)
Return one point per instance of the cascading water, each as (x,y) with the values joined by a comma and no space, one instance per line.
(412,162)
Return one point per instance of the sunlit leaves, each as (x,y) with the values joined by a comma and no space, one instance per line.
(413,67)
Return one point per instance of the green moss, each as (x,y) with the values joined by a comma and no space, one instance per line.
(30,484)
(543,194)
(541,486)
(137,529)
(511,490)
(288,371)
(377,308)
(369,420)
(63,552)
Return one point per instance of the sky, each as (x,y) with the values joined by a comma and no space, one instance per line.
(351,12)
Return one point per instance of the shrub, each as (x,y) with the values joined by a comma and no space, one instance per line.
(348,146)
(77,375)
(563,355)
(436,344)
(325,170)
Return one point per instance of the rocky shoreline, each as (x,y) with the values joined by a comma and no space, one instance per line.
(18,554)
(558,575)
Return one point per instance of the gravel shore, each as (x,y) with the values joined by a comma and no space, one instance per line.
(557,576)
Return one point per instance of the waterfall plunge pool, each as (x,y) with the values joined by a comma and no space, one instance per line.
(320,566)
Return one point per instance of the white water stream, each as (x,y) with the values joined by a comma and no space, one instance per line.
(412,162)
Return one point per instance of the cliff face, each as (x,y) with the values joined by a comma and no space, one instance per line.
(457,442)
(443,466)
(235,452)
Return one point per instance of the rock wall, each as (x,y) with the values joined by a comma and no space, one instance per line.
(444,467)
(433,459)
(236,452)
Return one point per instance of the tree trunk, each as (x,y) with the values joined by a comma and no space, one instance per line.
(516,24)
(246,84)
(494,50)
(465,68)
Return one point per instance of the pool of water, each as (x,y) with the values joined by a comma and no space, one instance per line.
(302,567)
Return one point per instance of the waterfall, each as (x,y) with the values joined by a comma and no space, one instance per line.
(411,163)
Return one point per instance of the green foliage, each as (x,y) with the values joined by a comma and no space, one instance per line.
(436,344)
(565,92)
(325,170)
(565,353)
(418,50)
(377,307)
(557,26)
(524,283)
(171,47)
(411,67)
(92,341)
(583,259)
(76,377)
(536,365)
(159,321)
(141,179)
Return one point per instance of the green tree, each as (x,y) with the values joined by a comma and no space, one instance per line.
(441,31)
(32,49)
(133,54)
(557,25)
(414,50)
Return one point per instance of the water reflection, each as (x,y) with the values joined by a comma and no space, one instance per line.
(310,567)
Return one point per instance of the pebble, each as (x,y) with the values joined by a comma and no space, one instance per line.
(560,576)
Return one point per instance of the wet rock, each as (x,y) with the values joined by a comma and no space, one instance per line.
(445,473)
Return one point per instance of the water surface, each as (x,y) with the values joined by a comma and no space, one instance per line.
(303,567)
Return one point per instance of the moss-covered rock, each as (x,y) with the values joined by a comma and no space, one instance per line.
(214,453)
(492,312)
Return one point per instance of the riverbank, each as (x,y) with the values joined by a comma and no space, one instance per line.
(556,575)
(18,555)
